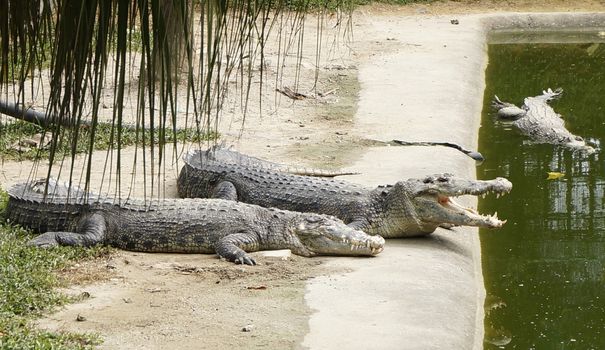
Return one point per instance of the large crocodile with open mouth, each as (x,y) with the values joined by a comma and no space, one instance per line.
(408,208)
(67,215)
(538,120)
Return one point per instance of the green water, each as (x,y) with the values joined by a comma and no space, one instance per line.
(545,269)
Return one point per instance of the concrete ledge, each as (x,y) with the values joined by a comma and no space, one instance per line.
(419,293)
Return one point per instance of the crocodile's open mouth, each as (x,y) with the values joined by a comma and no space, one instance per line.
(471,215)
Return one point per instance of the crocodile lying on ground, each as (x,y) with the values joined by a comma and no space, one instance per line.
(408,208)
(540,122)
(70,216)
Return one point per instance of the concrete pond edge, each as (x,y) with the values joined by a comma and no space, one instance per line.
(441,307)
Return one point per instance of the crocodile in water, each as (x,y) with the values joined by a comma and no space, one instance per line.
(540,122)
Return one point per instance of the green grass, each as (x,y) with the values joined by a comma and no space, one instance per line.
(27,289)
(12,133)
(17,334)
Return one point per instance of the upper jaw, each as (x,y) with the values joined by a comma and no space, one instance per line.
(459,187)
(450,185)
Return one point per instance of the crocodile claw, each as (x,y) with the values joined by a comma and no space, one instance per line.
(45,240)
(245,260)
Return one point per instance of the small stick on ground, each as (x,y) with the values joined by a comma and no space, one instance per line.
(291,94)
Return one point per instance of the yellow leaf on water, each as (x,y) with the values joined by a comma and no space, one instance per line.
(553,175)
(592,49)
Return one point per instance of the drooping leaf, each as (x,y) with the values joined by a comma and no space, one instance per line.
(162,56)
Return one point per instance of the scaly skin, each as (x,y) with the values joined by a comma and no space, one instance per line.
(540,122)
(223,154)
(70,216)
(408,208)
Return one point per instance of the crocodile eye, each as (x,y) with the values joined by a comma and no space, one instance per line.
(313,219)
(442,179)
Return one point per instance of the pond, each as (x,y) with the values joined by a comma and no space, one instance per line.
(544,270)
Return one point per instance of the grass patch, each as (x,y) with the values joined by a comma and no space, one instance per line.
(12,134)
(15,333)
(27,289)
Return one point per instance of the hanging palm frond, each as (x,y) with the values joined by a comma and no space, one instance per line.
(169,61)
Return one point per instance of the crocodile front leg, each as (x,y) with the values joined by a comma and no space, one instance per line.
(92,231)
(225,190)
(233,248)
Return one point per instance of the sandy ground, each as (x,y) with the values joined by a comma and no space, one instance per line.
(410,74)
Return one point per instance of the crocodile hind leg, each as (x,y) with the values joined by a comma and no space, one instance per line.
(233,248)
(91,231)
(224,190)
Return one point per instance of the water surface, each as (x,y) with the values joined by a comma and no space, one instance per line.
(545,270)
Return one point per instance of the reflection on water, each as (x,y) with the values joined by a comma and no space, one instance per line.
(545,270)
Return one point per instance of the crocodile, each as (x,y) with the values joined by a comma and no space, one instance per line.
(67,215)
(538,120)
(407,208)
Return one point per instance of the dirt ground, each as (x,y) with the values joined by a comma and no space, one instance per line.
(159,301)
